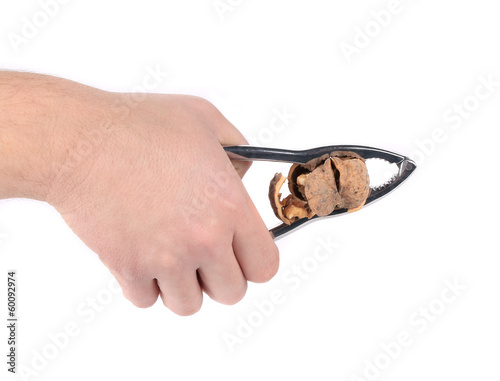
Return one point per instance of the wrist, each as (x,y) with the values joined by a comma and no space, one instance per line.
(39,132)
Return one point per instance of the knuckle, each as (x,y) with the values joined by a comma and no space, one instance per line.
(127,273)
(235,296)
(182,302)
(170,265)
(189,310)
(269,267)
(186,308)
(144,303)
(126,268)
(206,241)
(145,300)
(200,104)
(232,202)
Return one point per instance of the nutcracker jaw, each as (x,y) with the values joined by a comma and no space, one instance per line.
(405,168)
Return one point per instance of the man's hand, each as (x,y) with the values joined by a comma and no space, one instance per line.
(148,187)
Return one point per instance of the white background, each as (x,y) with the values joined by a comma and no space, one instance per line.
(394,257)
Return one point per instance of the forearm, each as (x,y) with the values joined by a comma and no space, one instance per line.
(36,113)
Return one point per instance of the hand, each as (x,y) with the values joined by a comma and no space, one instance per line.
(149,188)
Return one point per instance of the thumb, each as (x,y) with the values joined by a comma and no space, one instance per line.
(229,135)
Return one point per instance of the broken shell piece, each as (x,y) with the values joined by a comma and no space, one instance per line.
(275,195)
(296,171)
(295,209)
(289,209)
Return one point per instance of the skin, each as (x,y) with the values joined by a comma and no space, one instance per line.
(143,181)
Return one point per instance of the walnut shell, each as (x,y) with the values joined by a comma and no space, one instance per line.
(336,181)
(354,183)
(321,190)
(275,197)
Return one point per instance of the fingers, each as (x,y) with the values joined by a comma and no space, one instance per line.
(222,279)
(181,292)
(142,293)
(254,247)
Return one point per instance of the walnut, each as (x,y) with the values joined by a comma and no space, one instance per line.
(336,181)
(291,208)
